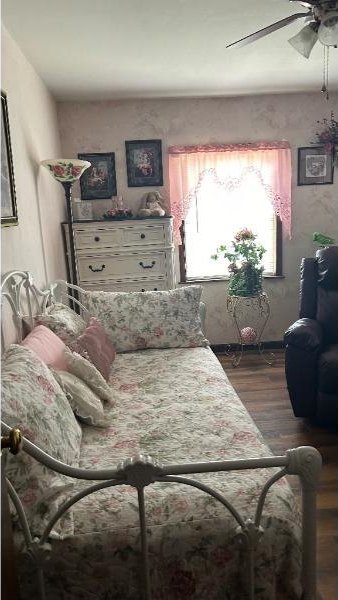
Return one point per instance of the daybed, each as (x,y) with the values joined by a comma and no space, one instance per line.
(164,540)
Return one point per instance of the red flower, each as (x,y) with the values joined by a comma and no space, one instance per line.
(129,387)
(182,583)
(58,170)
(244,234)
(45,385)
(158,331)
(29,498)
(76,171)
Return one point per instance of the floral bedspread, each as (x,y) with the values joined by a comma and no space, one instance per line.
(176,405)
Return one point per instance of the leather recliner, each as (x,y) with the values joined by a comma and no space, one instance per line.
(311,355)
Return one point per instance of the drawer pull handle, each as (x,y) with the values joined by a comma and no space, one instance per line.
(143,290)
(142,236)
(96,238)
(155,289)
(96,269)
(153,262)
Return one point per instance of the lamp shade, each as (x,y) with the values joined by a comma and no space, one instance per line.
(305,39)
(328,29)
(66,169)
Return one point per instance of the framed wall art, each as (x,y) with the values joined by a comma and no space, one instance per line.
(9,214)
(99,180)
(315,165)
(144,163)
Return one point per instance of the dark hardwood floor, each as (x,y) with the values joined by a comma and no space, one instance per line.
(262,389)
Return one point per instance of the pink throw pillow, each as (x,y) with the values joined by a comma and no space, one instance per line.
(95,345)
(48,347)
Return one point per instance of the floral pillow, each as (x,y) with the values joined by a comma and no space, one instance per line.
(63,321)
(33,401)
(86,405)
(138,320)
(85,370)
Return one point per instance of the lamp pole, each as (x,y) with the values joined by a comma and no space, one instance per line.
(67,186)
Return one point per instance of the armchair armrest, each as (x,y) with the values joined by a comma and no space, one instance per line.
(306,334)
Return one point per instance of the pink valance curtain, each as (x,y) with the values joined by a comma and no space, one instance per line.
(229,165)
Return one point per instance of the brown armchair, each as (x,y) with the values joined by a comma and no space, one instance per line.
(311,356)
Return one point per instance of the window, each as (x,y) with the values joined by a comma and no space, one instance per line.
(216,213)
(217,189)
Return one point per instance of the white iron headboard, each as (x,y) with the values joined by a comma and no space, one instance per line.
(26,300)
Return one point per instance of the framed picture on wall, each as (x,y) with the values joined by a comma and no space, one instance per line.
(9,214)
(144,163)
(99,180)
(315,165)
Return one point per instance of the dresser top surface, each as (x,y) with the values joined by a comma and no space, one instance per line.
(132,220)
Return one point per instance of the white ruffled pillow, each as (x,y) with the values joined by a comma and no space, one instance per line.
(85,403)
(87,372)
(138,320)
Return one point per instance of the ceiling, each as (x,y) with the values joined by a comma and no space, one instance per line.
(105,49)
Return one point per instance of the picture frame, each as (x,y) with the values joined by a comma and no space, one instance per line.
(315,165)
(9,212)
(99,180)
(144,163)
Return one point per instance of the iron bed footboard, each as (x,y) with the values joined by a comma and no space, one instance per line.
(142,471)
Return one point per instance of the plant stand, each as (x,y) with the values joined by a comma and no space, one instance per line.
(252,311)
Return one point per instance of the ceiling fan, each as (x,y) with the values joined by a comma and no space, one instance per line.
(321,21)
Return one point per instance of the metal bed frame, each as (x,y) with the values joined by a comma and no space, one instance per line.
(140,471)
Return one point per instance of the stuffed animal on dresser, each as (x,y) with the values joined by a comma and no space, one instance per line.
(151,205)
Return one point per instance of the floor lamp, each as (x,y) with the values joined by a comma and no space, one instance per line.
(67,171)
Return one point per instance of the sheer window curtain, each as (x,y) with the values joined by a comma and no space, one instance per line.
(229,165)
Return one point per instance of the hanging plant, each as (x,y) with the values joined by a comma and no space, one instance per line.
(245,266)
(328,136)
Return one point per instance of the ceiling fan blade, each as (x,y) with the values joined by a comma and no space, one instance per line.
(266,30)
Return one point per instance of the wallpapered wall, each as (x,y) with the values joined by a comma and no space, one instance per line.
(35,243)
(104,127)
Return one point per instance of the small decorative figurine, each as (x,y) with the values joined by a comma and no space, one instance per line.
(117,211)
(151,205)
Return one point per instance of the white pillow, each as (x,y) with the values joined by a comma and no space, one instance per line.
(86,405)
(136,320)
(85,370)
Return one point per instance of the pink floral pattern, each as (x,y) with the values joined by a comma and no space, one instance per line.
(34,402)
(176,405)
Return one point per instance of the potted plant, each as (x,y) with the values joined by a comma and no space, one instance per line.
(245,266)
(328,136)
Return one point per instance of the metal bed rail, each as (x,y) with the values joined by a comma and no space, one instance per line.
(142,471)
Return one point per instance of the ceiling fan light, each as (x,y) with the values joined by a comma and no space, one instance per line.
(305,39)
(328,29)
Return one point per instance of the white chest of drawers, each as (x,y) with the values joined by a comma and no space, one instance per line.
(122,256)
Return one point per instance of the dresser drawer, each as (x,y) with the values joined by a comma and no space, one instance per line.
(103,267)
(126,286)
(143,235)
(118,237)
(101,238)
